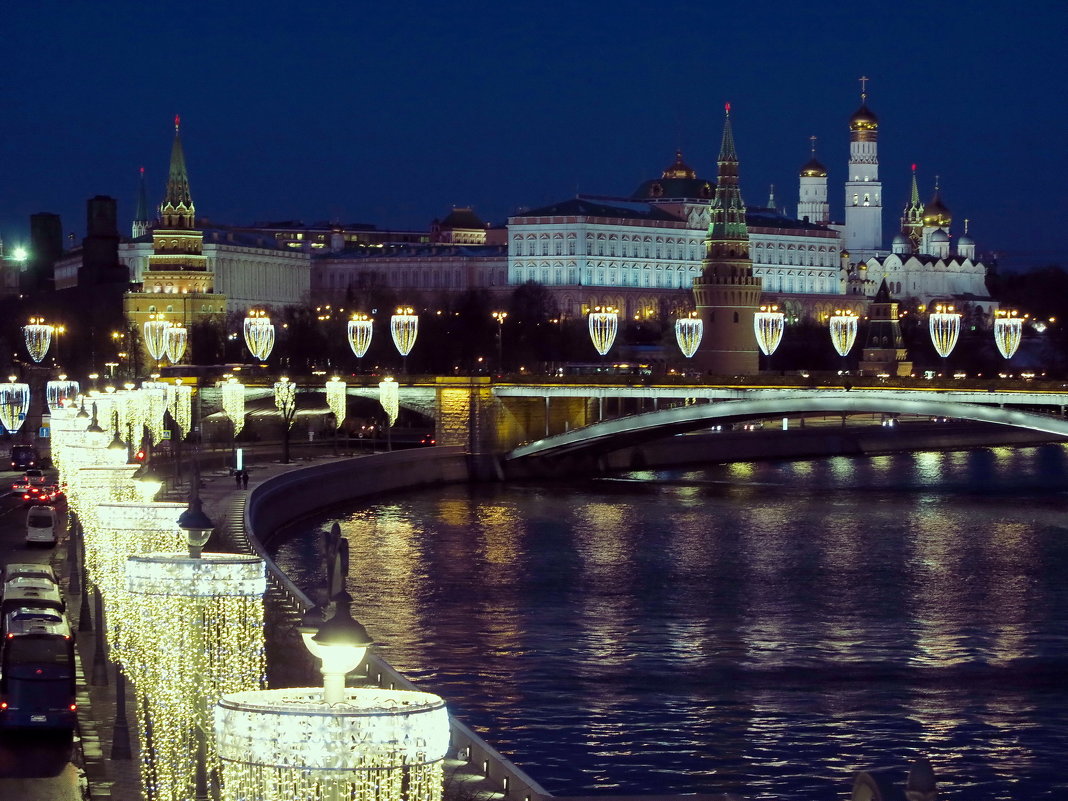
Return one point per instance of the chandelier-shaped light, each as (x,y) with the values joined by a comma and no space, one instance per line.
(378,745)
(14,403)
(174,342)
(404,325)
(59,392)
(389,397)
(198,635)
(1008,330)
(688,333)
(259,334)
(155,330)
(337,399)
(38,336)
(843,328)
(180,403)
(604,323)
(944,324)
(360,331)
(768,325)
(233,401)
(285,400)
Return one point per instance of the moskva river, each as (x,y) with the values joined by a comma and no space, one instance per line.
(759,628)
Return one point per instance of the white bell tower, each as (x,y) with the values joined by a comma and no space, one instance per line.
(863,191)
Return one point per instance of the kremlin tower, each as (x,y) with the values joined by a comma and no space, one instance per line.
(812,203)
(863,191)
(727,293)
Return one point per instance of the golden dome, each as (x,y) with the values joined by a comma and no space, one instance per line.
(936,214)
(679,169)
(813,169)
(863,119)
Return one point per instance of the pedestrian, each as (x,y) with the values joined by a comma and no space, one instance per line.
(244,479)
(237,478)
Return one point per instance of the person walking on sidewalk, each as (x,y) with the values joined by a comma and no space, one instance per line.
(244,479)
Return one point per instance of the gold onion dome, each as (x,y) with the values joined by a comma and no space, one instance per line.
(863,119)
(679,169)
(813,169)
(936,214)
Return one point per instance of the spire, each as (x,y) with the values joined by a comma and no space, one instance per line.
(140,220)
(727,152)
(177,209)
(771,197)
(728,236)
(912,217)
(915,197)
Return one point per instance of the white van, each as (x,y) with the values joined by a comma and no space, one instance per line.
(41,526)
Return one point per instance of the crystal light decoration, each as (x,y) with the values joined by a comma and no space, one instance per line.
(59,392)
(843,328)
(1008,330)
(944,324)
(336,399)
(603,323)
(38,335)
(174,342)
(378,745)
(404,325)
(688,333)
(768,325)
(259,334)
(14,403)
(389,397)
(285,399)
(233,401)
(155,330)
(360,331)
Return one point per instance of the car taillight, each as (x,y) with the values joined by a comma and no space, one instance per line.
(73,707)
(3,704)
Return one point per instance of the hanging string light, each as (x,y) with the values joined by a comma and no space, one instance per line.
(404,325)
(233,401)
(285,399)
(944,325)
(1008,331)
(336,399)
(843,328)
(259,334)
(14,403)
(59,392)
(155,332)
(688,333)
(603,324)
(360,331)
(38,335)
(154,405)
(174,342)
(181,406)
(768,325)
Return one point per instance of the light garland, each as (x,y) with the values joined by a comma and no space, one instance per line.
(379,745)
(768,325)
(259,335)
(285,400)
(174,342)
(38,336)
(389,397)
(181,407)
(1008,331)
(155,331)
(603,324)
(404,326)
(337,399)
(688,333)
(14,403)
(233,401)
(944,325)
(154,405)
(198,635)
(360,332)
(58,392)
(843,329)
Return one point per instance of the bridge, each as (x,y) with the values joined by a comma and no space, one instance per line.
(537,417)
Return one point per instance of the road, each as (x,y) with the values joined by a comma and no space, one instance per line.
(33,766)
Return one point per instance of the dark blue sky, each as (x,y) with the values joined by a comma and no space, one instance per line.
(391,113)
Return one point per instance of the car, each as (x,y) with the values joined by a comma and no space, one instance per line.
(41,526)
(35,478)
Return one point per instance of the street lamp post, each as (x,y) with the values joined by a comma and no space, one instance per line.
(499,316)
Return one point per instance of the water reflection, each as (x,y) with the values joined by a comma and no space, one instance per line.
(758,628)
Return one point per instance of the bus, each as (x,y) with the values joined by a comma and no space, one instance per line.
(23,456)
(37,684)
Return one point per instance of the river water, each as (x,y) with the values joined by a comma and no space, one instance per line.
(759,628)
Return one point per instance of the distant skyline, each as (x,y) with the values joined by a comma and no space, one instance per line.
(392,115)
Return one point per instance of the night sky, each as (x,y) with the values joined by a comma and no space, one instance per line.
(392,113)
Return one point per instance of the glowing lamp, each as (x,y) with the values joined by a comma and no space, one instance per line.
(259,334)
(14,403)
(155,332)
(404,326)
(1008,330)
(688,333)
(360,331)
(174,342)
(843,329)
(58,393)
(768,326)
(195,522)
(285,399)
(603,324)
(38,336)
(389,397)
(944,325)
(233,402)
(341,644)
(336,399)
